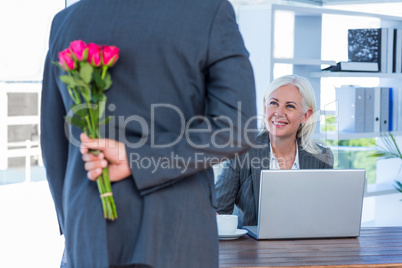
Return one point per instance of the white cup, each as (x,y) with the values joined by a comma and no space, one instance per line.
(227,224)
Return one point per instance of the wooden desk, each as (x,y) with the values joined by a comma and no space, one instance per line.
(376,247)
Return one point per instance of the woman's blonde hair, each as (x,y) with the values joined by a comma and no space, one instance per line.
(306,130)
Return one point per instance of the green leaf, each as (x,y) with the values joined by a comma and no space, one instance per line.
(398,152)
(86,71)
(71,92)
(102,104)
(80,109)
(58,65)
(96,96)
(86,131)
(377,154)
(383,155)
(76,121)
(86,93)
(108,81)
(398,186)
(68,80)
(73,82)
(391,149)
(77,96)
(98,80)
(105,120)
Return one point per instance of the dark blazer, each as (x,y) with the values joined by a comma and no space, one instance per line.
(179,59)
(238,185)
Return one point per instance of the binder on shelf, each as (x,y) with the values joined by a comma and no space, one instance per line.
(390,110)
(359,109)
(399,109)
(390,50)
(383,50)
(369,102)
(395,108)
(377,109)
(351,107)
(384,109)
(398,51)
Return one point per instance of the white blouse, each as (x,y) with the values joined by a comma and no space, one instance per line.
(274,164)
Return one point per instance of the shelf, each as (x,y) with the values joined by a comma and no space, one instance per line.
(304,61)
(356,74)
(262,33)
(380,189)
(318,11)
(333,135)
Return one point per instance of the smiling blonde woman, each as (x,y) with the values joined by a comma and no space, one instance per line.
(285,143)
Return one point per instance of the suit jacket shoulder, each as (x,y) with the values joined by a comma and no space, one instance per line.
(322,160)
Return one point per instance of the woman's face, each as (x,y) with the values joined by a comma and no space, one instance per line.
(284,112)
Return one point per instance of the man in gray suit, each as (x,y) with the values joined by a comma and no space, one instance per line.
(182,90)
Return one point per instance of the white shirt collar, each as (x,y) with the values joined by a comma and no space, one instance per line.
(273,162)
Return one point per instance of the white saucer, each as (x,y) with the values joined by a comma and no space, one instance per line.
(235,235)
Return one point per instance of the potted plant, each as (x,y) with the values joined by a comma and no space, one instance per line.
(388,151)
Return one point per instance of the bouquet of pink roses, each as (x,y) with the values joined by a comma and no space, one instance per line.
(87,79)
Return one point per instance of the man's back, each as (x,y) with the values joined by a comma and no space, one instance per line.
(178,60)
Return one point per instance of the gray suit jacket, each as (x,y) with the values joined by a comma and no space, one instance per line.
(238,185)
(179,60)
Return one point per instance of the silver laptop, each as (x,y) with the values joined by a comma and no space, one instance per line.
(316,203)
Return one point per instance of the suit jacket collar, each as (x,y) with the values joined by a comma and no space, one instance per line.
(304,157)
(261,151)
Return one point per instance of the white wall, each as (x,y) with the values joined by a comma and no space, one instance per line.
(70,2)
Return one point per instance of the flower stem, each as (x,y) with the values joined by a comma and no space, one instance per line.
(112,213)
(104,69)
(101,190)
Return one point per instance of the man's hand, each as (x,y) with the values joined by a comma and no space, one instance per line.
(113,154)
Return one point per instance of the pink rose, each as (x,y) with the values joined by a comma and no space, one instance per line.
(79,49)
(66,60)
(110,54)
(94,54)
